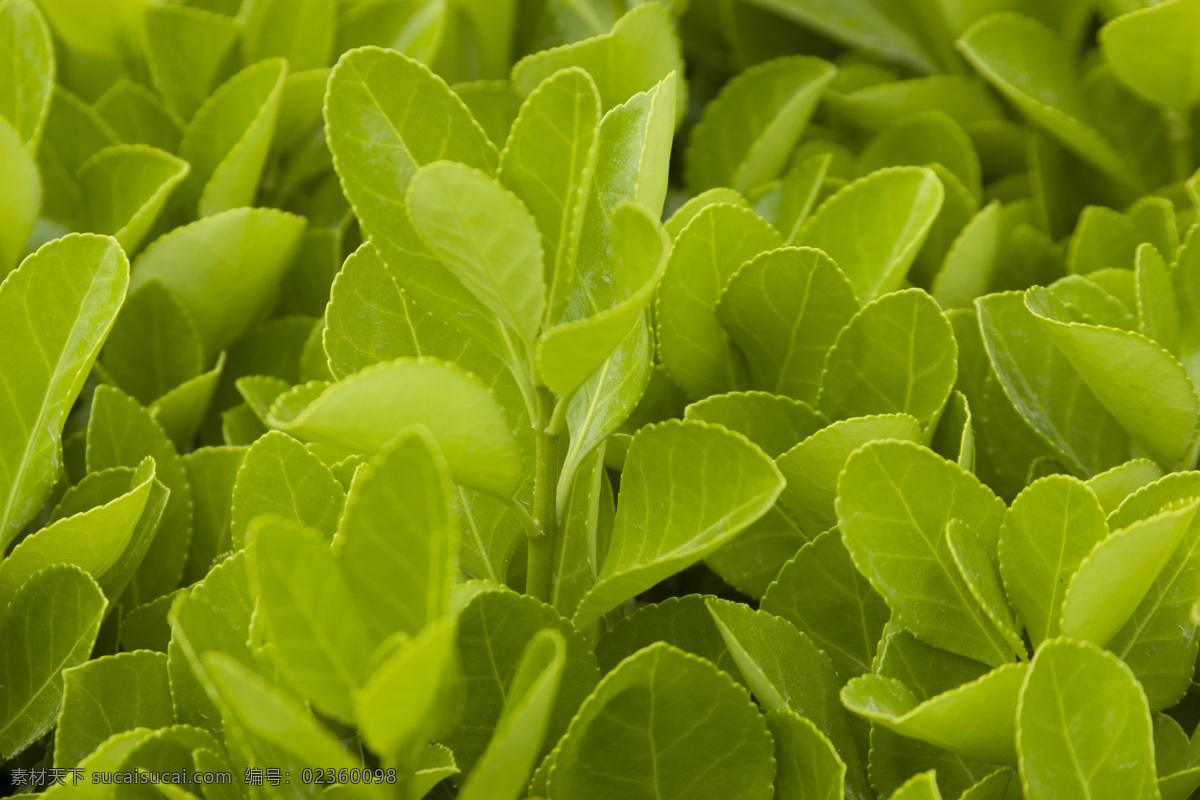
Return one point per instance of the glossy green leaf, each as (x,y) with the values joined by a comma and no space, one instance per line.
(1158,311)
(61,598)
(639,51)
(651,541)
(1050,529)
(58,306)
(894,502)
(773,422)
(896,355)
(1149,52)
(860,230)
(647,706)
(784,310)
(125,188)
(1113,486)
(977,719)
(970,265)
(398,538)
(224,269)
(280,477)
(922,139)
(95,702)
(1083,728)
(976,566)
(683,622)
(920,787)
(710,250)
(27,76)
(548,163)
(462,416)
(20,196)
(212,472)
(748,131)
(181,410)
(807,767)
(227,140)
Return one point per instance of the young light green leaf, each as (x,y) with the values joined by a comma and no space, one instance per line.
(651,541)
(212,473)
(859,230)
(926,138)
(58,306)
(977,719)
(807,766)
(569,353)
(464,419)
(96,702)
(920,787)
(1112,580)
(225,268)
(692,344)
(725,739)
(73,133)
(181,411)
(99,540)
(227,141)
(549,162)
(812,467)
(683,216)
(487,238)
(494,104)
(494,630)
(1158,311)
(303,32)
(1141,384)
(752,126)
(61,598)
(639,51)
(20,196)
(1148,50)
(187,49)
(502,773)
(1113,486)
(1083,728)
(896,355)
(398,538)
(27,74)
(977,568)
(1034,68)
(322,636)
(1050,529)
(970,265)
(824,596)
(894,502)
(386,116)
(137,115)
(784,310)
(773,422)
(280,477)
(125,187)
(154,345)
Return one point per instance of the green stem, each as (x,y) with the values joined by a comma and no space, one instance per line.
(1179,134)
(540,574)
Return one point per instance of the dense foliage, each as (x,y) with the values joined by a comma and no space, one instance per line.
(600,400)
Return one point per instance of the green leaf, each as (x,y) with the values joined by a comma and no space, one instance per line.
(1046,390)
(812,467)
(139,116)
(225,269)
(494,104)
(1112,580)
(57,306)
(569,353)
(785,671)
(226,142)
(807,765)
(894,502)
(494,630)
(784,310)
(1050,529)
(650,540)
(750,129)
(63,599)
(322,637)
(548,163)
(1148,51)
(27,77)
(967,100)
(1083,728)
(121,434)
(639,51)
(822,593)
(20,197)
(181,410)
(977,567)
(926,138)
(187,50)
(73,133)
(462,416)
(896,355)
(798,190)
(1035,69)
(683,622)
(970,265)
(647,707)
(96,702)
(212,472)
(860,230)
(1158,311)
(772,422)
(280,477)
(99,540)
(1141,384)
(125,187)
(692,344)
(503,771)
(920,787)
(1113,486)
(977,719)
(303,32)
(398,538)
(387,115)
